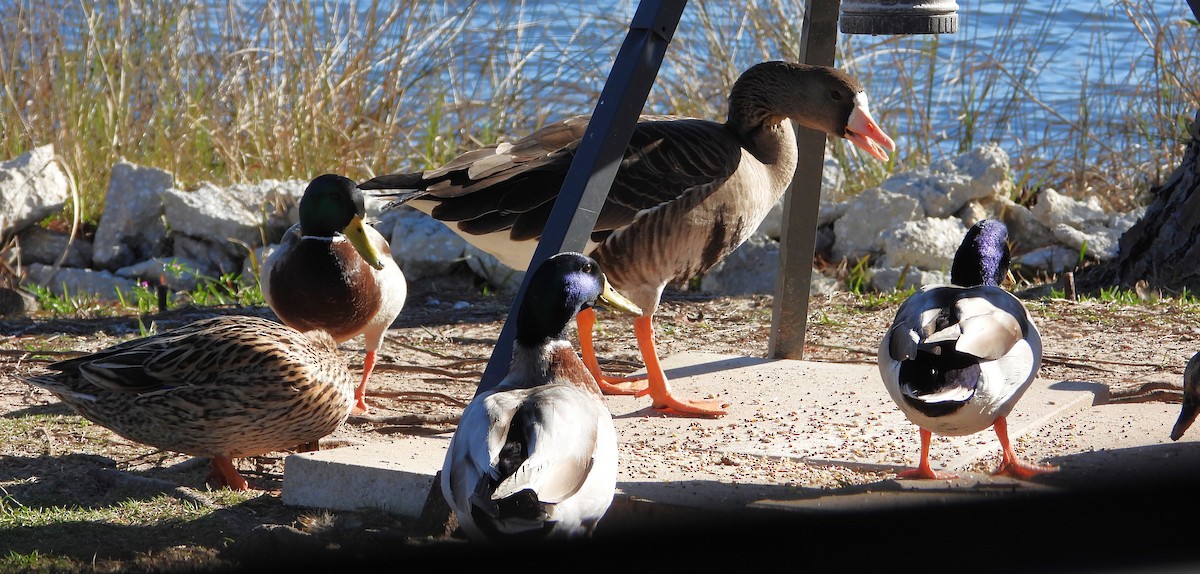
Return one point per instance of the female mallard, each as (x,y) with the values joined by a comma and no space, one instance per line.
(335,273)
(536,455)
(688,193)
(1191,398)
(958,357)
(223,388)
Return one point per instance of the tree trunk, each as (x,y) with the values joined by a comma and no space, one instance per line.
(1163,247)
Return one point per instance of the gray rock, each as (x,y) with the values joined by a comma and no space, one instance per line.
(1050,259)
(41,245)
(1024,230)
(859,232)
(421,245)
(16,302)
(131,228)
(751,269)
(927,243)
(500,276)
(178,275)
(217,227)
(1099,243)
(32,187)
(252,265)
(945,187)
(887,279)
(72,281)
(1053,209)
(832,184)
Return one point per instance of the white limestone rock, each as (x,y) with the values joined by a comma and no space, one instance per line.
(40,245)
(32,187)
(888,279)
(927,243)
(216,227)
(832,184)
(1049,259)
(859,232)
(178,275)
(946,186)
(72,281)
(421,245)
(1053,209)
(503,278)
(132,228)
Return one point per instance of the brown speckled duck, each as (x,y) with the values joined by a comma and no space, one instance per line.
(335,273)
(223,388)
(688,193)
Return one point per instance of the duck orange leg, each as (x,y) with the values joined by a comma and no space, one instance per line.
(1010,465)
(586,321)
(360,393)
(224,474)
(923,469)
(658,388)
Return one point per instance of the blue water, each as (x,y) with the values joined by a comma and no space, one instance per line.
(1025,73)
(1058,56)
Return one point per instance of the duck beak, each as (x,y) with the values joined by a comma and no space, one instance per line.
(863,132)
(617,300)
(357,235)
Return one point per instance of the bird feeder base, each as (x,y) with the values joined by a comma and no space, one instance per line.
(899,17)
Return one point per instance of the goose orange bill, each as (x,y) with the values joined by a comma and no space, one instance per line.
(863,132)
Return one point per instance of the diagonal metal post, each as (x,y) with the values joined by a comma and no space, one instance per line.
(598,156)
(798,239)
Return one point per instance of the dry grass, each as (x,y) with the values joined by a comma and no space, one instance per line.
(224,91)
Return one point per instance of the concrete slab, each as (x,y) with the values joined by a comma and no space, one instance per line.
(808,412)
(395,477)
(822,413)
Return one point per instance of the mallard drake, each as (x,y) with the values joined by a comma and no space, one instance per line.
(958,357)
(1191,398)
(688,193)
(223,388)
(536,455)
(335,273)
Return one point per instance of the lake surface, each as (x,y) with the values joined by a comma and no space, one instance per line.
(1039,76)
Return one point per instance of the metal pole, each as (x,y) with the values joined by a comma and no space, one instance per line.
(798,239)
(599,155)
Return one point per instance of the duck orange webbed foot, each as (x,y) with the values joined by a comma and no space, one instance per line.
(924,473)
(622,385)
(225,475)
(1021,470)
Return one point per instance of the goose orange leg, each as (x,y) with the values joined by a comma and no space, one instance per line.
(658,388)
(224,474)
(923,469)
(1010,465)
(586,320)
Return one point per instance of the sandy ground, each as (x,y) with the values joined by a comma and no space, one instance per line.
(433,358)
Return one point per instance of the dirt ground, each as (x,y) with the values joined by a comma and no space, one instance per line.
(429,366)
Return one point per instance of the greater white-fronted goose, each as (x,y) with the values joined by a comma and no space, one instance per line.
(688,193)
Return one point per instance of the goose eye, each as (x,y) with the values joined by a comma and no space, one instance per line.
(836,95)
